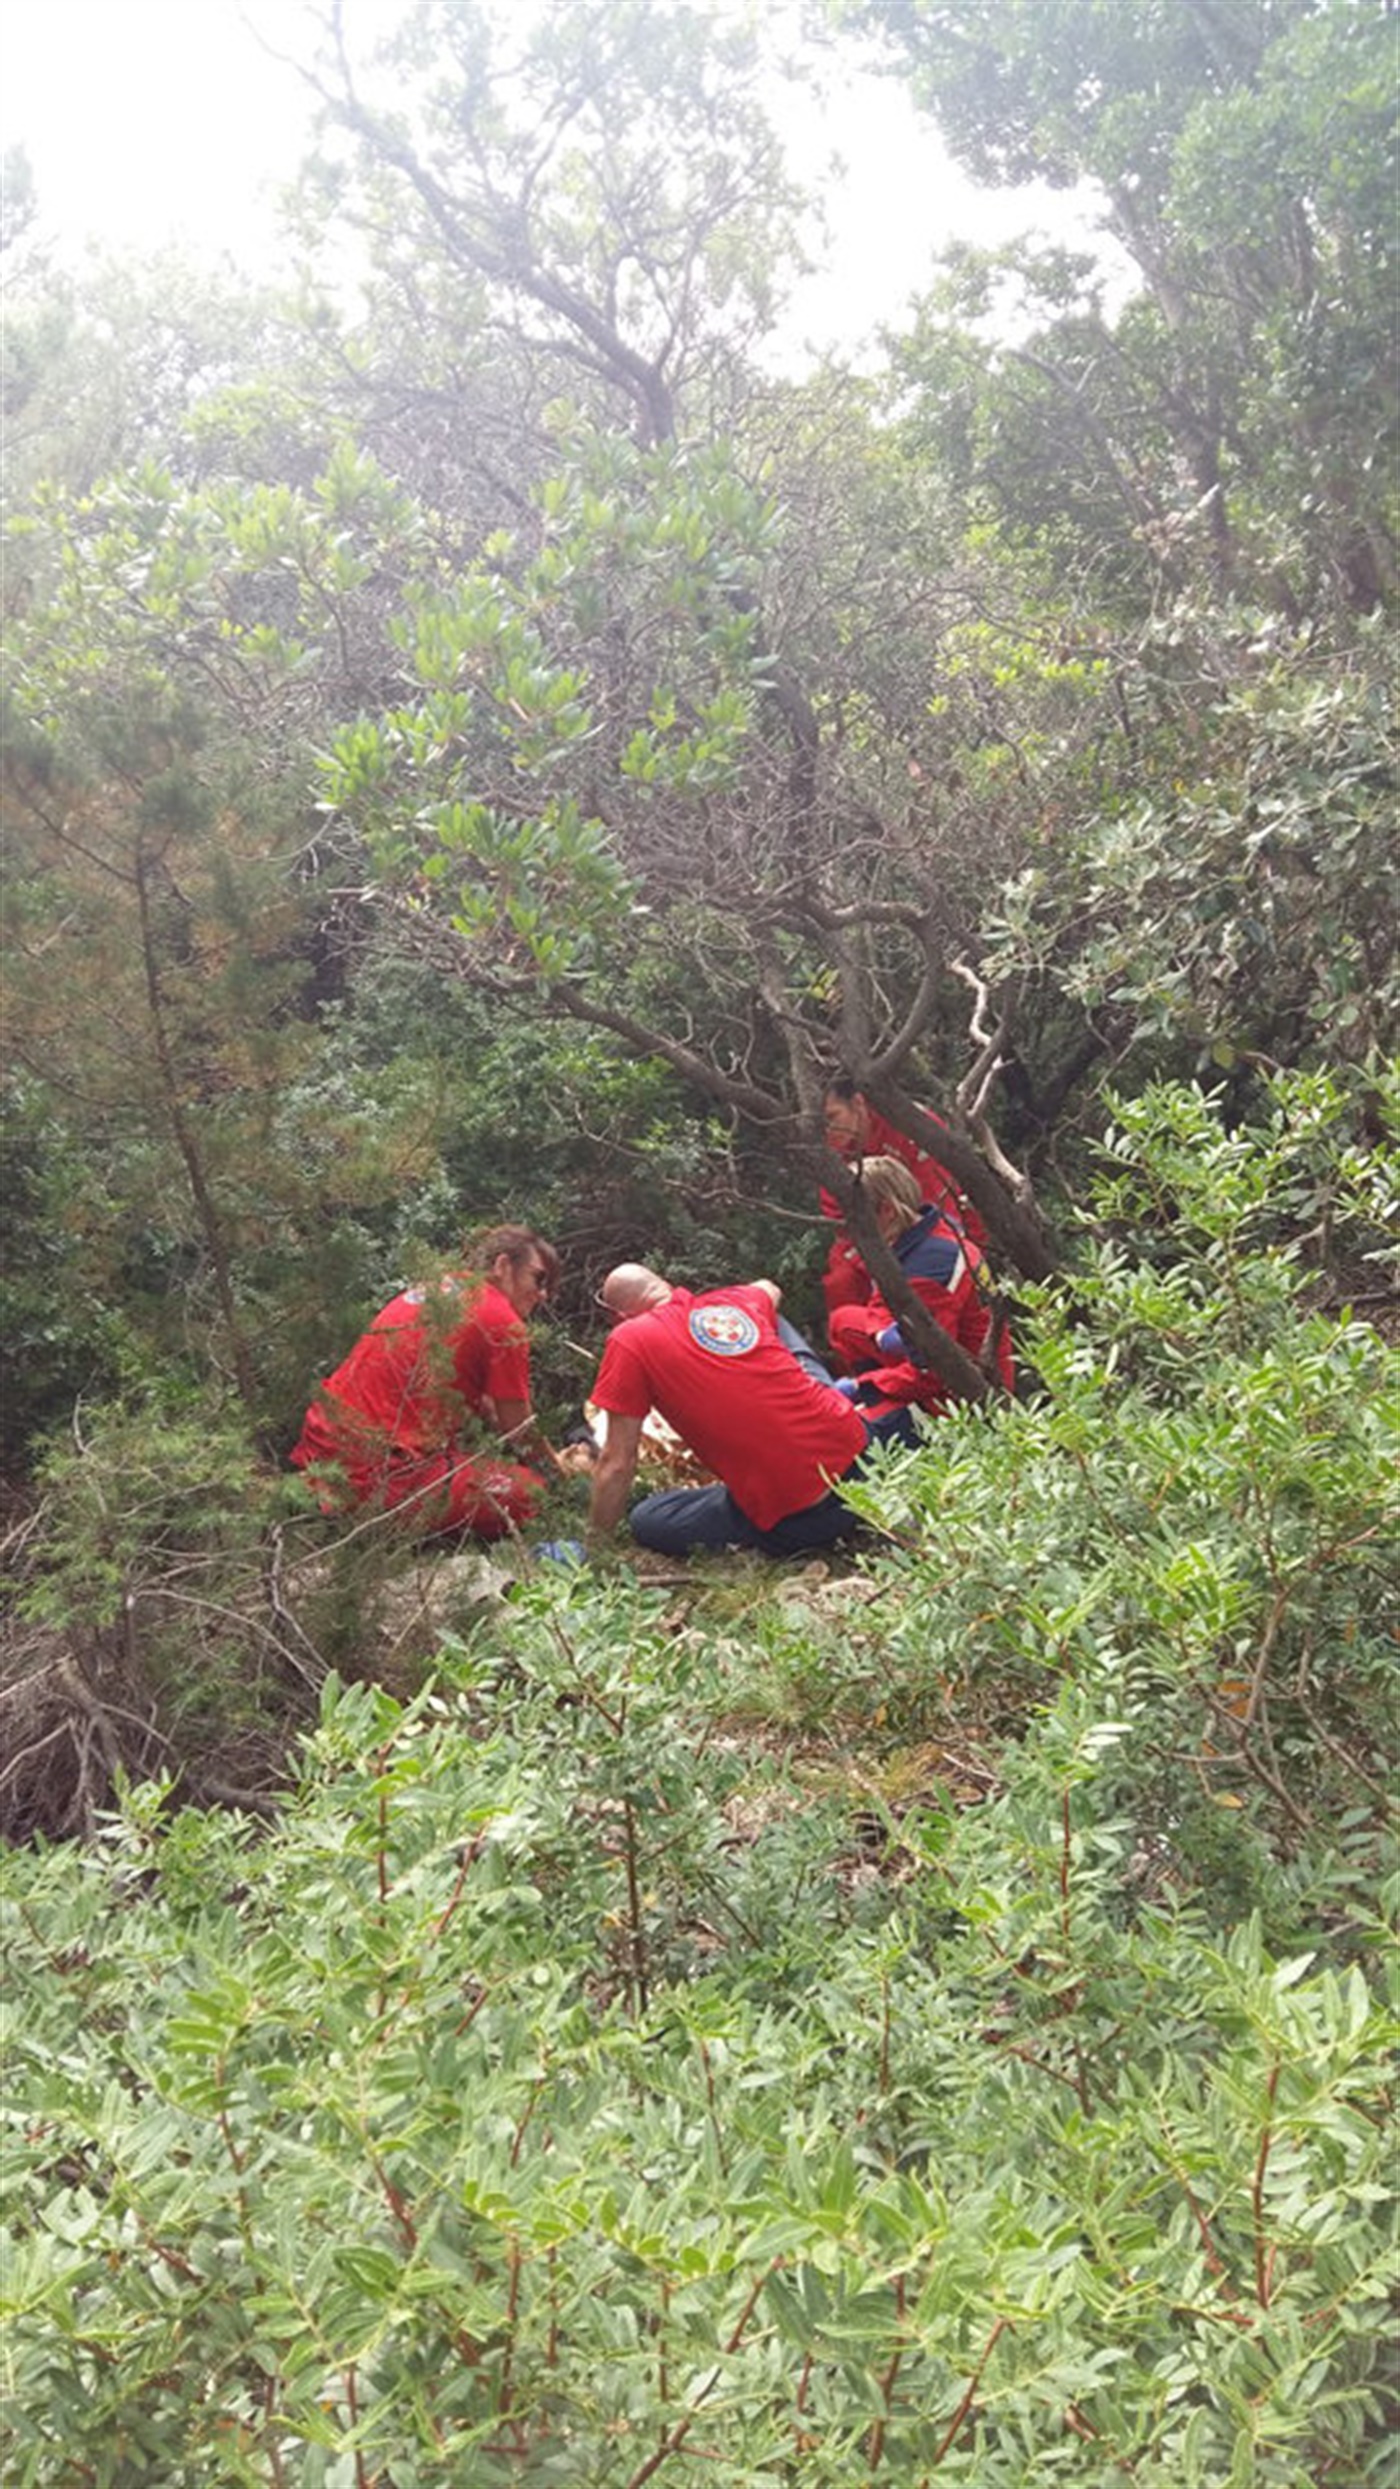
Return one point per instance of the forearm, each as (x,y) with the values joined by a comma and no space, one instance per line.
(521,1434)
(612,1483)
(613,1476)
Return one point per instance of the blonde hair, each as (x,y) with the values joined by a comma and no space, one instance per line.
(887,1183)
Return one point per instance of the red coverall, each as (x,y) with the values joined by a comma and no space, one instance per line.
(845,1280)
(385,1429)
(947,1273)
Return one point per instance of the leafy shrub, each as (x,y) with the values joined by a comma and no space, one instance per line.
(1195,1522)
(542,2099)
(1239,907)
(367,2155)
(147,1625)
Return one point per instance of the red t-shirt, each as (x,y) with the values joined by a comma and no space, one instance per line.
(714,1366)
(404,1382)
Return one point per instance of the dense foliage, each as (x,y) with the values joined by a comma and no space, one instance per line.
(564,2090)
(477,745)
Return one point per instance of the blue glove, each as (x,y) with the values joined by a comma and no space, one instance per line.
(890,1341)
(568,1551)
(847,1385)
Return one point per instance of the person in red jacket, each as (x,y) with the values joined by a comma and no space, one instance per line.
(392,1428)
(750,1399)
(856,1130)
(948,1275)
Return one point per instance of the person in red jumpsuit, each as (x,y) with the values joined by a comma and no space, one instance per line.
(947,1273)
(856,1130)
(747,1395)
(393,1428)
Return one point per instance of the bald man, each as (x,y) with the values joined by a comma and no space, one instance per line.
(746,1393)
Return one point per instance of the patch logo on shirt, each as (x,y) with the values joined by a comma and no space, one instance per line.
(725,1330)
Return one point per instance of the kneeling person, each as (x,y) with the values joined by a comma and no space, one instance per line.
(752,1404)
(387,1430)
(947,1273)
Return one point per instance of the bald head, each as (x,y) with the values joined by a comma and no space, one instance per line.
(633,1289)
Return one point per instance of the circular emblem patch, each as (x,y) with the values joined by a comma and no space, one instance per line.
(725,1330)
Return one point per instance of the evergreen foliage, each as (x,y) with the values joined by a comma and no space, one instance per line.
(567,2080)
(484,751)
(410,2142)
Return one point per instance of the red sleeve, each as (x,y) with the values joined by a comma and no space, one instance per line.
(903,1380)
(622,1387)
(845,1280)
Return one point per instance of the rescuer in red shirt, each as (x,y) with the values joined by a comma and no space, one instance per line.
(947,1273)
(856,1130)
(392,1427)
(751,1400)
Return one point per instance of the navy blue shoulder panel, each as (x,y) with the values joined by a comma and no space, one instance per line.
(929,1249)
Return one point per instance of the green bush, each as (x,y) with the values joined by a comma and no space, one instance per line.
(548,2097)
(498,2118)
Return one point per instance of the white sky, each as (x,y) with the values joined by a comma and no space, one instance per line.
(151,121)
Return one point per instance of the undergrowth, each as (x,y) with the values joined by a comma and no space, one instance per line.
(924,2020)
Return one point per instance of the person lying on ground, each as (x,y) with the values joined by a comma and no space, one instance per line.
(857,1131)
(752,1400)
(393,1428)
(949,1276)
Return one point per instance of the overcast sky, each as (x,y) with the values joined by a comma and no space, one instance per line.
(147,121)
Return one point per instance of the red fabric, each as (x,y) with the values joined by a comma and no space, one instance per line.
(390,1416)
(774,1435)
(845,1280)
(488,1497)
(964,1311)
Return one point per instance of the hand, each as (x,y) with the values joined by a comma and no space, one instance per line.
(847,1385)
(890,1341)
